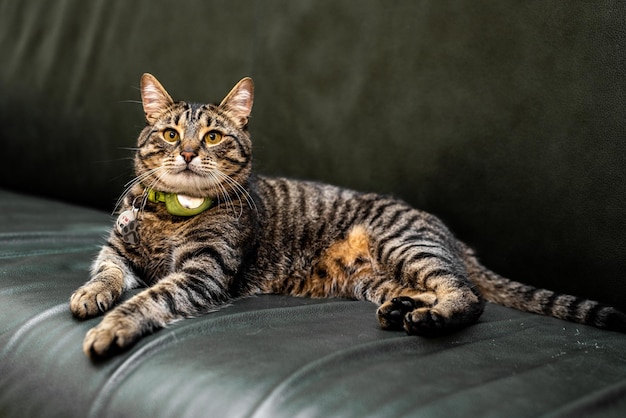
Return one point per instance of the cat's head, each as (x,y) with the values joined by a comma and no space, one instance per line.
(194,149)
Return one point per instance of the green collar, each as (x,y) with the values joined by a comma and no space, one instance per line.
(179,204)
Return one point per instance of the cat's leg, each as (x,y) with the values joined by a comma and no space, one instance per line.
(177,296)
(444,302)
(432,293)
(110,277)
(436,296)
(420,285)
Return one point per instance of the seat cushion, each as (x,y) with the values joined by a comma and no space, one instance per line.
(273,355)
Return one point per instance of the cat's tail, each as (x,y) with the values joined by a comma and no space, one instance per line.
(512,294)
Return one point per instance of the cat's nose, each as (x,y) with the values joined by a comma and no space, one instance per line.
(188,156)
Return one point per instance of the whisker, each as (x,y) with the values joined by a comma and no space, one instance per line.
(237,189)
(135,181)
(222,190)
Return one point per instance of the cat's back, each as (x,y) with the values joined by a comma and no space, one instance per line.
(302,211)
(301,218)
(297,214)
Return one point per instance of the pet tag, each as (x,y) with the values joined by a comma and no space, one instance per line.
(127,226)
(182,205)
(189,202)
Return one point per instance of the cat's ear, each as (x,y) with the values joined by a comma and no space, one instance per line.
(238,103)
(154,98)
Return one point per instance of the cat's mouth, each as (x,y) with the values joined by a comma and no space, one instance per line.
(187,181)
(194,167)
(188,170)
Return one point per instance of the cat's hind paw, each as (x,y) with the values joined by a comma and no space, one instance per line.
(391,314)
(425,322)
(415,316)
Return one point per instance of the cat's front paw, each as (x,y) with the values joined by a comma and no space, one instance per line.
(110,337)
(92,299)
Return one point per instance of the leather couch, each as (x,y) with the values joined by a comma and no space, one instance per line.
(504,118)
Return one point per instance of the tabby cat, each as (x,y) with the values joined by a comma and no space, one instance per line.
(197,229)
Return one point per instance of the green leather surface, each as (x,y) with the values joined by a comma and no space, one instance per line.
(274,356)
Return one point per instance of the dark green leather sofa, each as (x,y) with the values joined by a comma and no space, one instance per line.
(505,118)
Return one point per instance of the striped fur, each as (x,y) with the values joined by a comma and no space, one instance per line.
(274,235)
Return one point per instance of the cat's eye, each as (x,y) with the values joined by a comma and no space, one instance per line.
(171,135)
(213,137)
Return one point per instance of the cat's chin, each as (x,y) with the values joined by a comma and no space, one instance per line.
(187,183)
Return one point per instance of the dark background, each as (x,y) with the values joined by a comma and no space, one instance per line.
(504,118)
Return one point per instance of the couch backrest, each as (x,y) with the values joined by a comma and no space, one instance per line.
(504,118)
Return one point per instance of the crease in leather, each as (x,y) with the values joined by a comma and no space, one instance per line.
(569,352)
(162,341)
(449,398)
(30,324)
(46,236)
(591,404)
(266,406)
(383,348)
(24,244)
(34,253)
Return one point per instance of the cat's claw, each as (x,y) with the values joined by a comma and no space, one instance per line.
(91,300)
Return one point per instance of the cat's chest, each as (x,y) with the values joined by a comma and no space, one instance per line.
(153,253)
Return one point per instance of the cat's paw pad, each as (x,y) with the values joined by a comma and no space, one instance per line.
(109,338)
(426,322)
(91,300)
(391,314)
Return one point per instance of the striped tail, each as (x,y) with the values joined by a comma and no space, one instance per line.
(523,297)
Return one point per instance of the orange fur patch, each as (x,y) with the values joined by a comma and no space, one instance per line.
(341,266)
